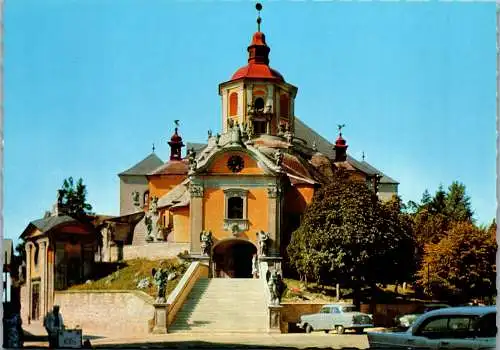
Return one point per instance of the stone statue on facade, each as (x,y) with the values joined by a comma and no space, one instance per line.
(151,220)
(289,135)
(217,139)
(263,239)
(249,129)
(314,146)
(206,242)
(250,109)
(192,160)
(276,286)
(209,134)
(60,196)
(161,278)
(255,266)
(236,134)
(278,157)
(136,199)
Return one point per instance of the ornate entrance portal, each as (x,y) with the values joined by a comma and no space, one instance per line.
(232,258)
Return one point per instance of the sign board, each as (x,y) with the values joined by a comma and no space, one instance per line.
(70,338)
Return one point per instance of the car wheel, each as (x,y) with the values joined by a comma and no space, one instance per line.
(340,329)
(309,328)
(327,331)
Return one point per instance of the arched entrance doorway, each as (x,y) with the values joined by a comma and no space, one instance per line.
(232,258)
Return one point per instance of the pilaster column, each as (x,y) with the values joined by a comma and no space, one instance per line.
(29,252)
(43,278)
(50,275)
(225,113)
(241,106)
(273,194)
(196,216)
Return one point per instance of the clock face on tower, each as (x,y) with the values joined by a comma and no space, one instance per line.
(235,164)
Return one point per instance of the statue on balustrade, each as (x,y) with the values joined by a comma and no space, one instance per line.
(263,239)
(276,286)
(206,242)
(161,278)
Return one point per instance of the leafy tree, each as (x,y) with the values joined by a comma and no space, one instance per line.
(346,236)
(73,198)
(461,264)
(398,262)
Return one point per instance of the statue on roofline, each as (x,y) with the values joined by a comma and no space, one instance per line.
(192,160)
(278,157)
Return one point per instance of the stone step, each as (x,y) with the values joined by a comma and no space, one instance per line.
(215,330)
(223,305)
(215,316)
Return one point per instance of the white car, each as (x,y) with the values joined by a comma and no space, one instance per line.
(471,327)
(336,316)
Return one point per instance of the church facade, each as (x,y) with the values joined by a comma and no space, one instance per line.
(252,181)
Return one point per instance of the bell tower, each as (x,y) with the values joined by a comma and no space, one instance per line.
(257,97)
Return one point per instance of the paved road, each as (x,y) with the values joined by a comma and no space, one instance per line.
(38,339)
(230,340)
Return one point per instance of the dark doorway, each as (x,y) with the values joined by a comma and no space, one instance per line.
(35,301)
(233,259)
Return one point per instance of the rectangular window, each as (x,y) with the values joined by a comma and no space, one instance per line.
(235,216)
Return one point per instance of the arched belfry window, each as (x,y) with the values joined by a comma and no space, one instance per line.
(233,104)
(259,104)
(284,106)
(235,208)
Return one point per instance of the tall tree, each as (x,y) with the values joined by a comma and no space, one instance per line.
(462,264)
(438,202)
(73,198)
(426,199)
(457,203)
(346,236)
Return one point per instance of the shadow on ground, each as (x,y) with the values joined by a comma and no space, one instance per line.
(202,345)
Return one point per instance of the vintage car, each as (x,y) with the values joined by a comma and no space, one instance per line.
(338,317)
(405,321)
(471,327)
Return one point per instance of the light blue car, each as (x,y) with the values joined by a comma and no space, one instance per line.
(339,317)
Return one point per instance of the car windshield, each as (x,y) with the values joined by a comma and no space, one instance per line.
(348,308)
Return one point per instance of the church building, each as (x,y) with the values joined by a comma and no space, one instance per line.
(253,179)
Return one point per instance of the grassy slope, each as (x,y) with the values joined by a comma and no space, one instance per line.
(128,276)
(296,291)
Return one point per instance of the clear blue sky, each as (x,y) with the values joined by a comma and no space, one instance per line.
(91,84)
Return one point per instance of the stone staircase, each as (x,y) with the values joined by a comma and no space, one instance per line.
(220,305)
(140,230)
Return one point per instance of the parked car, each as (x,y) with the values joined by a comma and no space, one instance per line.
(471,327)
(405,321)
(336,316)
